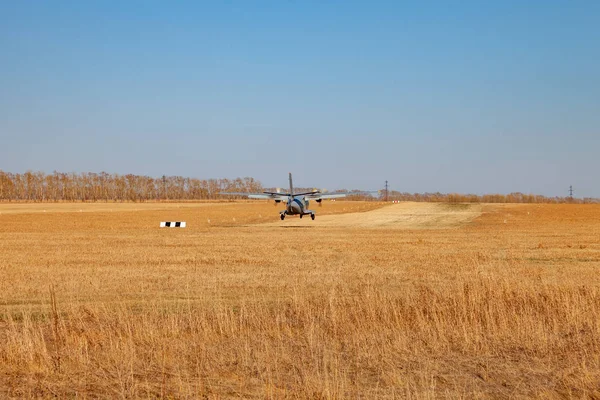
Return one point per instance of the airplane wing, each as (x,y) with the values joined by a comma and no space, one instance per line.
(326,196)
(276,193)
(314,192)
(265,195)
(317,196)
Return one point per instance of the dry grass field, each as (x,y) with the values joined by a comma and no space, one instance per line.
(411,300)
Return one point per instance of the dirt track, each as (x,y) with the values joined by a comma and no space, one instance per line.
(407,215)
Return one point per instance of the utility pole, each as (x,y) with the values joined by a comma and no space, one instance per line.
(571,191)
(386,191)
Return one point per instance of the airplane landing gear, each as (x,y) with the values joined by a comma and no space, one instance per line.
(312,216)
(300,216)
(282,216)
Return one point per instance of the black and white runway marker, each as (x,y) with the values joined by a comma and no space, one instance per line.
(172,224)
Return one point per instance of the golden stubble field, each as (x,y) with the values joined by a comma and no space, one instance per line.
(410,300)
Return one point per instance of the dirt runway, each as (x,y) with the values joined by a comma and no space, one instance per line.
(408,215)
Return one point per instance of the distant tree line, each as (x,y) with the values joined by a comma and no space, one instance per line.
(486,198)
(89,186)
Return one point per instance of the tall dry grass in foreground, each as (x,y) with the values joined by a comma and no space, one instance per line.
(512,340)
(505,307)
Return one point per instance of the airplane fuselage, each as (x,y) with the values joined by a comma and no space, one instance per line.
(297,205)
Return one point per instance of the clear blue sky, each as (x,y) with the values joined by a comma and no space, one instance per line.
(469,96)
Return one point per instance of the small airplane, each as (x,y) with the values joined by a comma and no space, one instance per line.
(296,203)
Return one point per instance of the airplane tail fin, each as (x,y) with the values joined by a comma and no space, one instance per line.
(291,185)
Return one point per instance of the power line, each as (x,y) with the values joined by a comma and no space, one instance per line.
(386,191)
